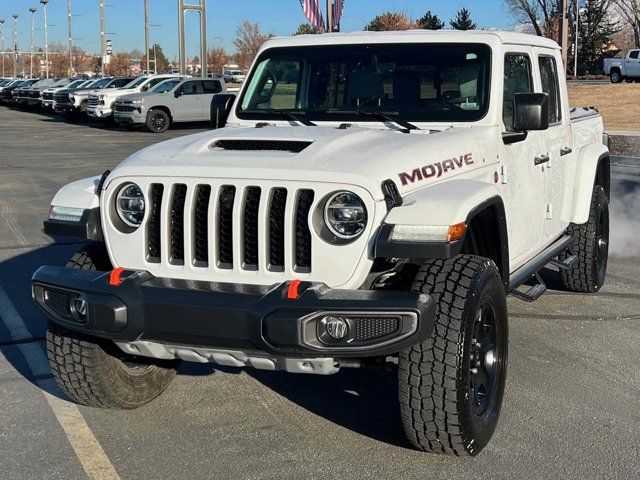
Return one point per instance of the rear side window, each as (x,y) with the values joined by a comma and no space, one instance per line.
(551,86)
(190,88)
(635,54)
(211,87)
(517,79)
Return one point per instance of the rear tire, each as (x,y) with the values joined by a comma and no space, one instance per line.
(95,372)
(591,245)
(451,386)
(158,121)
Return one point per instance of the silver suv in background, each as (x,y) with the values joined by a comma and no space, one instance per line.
(101,102)
(172,101)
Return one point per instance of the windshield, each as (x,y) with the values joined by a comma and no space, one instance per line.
(75,84)
(415,82)
(166,86)
(100,83)
(61,83)
(136,83)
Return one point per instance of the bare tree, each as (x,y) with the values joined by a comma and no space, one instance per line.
(391,21)
(217,58)
(249,41)
(629,11)
(537,13)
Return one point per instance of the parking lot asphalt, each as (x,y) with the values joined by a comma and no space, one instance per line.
(570,409)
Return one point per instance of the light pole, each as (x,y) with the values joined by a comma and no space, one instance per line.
(15,45)
(147,40)
(182,10)
(2,22)
(33,11)
(103,44)
(46,37)
(329,16)
(70,35)
(575,52)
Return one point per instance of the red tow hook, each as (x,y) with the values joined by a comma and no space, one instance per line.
(294,293)
(115,279)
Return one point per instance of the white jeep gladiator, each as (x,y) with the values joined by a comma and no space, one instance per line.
(371,201)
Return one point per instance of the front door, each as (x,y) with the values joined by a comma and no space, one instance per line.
(524,192)
(188,103)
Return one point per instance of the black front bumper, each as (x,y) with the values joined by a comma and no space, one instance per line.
(235,317)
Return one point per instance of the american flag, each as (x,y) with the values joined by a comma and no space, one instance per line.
(312,11)
(338,7)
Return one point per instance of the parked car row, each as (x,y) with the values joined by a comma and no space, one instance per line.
(152,101)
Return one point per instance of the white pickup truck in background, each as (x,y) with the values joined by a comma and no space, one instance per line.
(627,68)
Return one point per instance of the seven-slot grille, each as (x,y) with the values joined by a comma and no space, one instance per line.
(212,217)
(47,96)
(61,98)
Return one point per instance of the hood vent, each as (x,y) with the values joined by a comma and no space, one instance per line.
(257,145)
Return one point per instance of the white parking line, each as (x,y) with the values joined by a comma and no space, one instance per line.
(17,329)
(94,460)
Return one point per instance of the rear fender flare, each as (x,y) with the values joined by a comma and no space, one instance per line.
(590,159)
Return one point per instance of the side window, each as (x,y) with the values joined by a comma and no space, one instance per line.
(635,54)
(190,88)
(550,85)
(517,79)
(155,81)
(211,87)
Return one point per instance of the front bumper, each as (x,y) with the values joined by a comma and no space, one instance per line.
(234,317)
(64,107)
(129,118)
(99,112)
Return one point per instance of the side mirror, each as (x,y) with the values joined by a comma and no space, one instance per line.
(220,109)
(531,111)
(178,93)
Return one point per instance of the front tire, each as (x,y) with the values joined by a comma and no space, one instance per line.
(95,372)
(158,121)
(451,386)
(591,245)
(616,77)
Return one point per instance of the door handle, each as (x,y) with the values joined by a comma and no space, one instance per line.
(565,151)
(540,159)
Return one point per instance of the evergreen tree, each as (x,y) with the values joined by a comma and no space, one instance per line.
(463,21)
(305,29)
(156,53)
(430,21)
(597,29)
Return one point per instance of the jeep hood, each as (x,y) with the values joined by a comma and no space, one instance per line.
(354,156)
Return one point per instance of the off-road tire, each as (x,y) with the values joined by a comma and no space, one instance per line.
(591,245)
(437,402)
(158,121)
(95,372)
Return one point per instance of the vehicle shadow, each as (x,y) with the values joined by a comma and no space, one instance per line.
(364,401)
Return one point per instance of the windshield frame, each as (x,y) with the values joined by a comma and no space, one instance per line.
(345,116)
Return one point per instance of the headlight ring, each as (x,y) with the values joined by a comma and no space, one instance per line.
(130,205)
(345,215)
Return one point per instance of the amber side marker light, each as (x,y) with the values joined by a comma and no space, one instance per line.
(456,232)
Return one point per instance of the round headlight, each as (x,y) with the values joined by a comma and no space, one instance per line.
(130,205)
(345,215)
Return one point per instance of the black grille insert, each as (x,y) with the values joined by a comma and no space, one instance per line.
(367,329)
(303,234)
(268,145)
(276,229)
(201,226)
(225,226)
(59,302)
(176,227)
(154,232)
(251,209)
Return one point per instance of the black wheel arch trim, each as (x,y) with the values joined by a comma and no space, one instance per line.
(88,228)
(387,248)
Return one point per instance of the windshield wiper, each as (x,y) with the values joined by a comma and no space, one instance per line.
(296,116)
(385,116)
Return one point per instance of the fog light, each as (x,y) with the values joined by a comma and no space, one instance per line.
(336,327)
(80,308)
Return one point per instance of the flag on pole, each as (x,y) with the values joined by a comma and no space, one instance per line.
(338,7)
(313,12)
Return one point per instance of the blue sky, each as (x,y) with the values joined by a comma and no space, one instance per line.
(125,19)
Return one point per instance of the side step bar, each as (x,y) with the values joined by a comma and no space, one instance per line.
(531,269)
